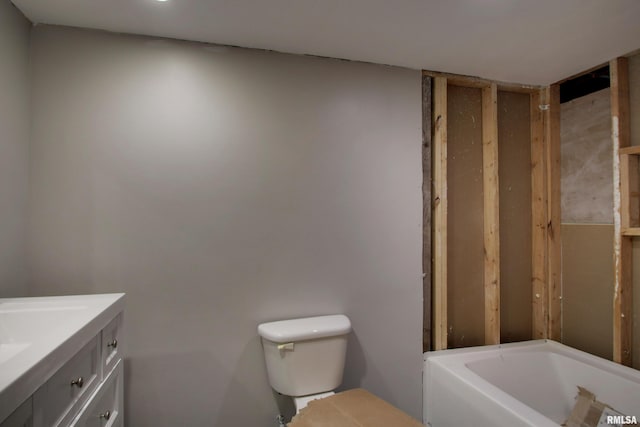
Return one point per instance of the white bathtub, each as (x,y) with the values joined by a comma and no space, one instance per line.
(532,383)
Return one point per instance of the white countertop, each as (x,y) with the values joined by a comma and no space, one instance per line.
(38,335)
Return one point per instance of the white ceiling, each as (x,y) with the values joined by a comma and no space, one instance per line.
(523,41)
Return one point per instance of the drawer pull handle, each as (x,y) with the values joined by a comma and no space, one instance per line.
(105,415)
(113,344)
(78,383)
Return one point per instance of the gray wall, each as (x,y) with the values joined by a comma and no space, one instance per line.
(14,148)
(221,188)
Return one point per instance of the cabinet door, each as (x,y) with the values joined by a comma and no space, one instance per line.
(105,408)
(21,417)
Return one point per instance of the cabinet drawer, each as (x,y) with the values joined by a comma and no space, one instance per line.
(60,399)
(21,417)
(105,407)
(111,344)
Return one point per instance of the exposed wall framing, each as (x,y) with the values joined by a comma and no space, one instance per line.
(623,230)
(539,121)
(491,214)
(439,306)
(554,241)
(477,82)
(426,213)
(491,201)
(546,288)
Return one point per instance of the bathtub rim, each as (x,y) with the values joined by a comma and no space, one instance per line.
(541,345)
(455,361)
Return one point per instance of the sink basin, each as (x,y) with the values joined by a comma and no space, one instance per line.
(7,351)
(25,322)
(31,307)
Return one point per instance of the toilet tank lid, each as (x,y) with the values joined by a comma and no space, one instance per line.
(305,329)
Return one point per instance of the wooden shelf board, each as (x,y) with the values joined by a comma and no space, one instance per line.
(631,231)
(634,150)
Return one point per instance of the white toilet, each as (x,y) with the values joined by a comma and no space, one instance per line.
(305,357)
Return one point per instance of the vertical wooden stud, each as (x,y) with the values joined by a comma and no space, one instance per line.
(426,212)
(491,214)
(554,241)
(545,193)
(623,268)
(439,213)
(539,121)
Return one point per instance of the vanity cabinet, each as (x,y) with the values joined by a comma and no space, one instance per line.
(21,417)
(86,391)
(81,382)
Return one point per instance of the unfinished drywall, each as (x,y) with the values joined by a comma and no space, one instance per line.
(465,250)
(634,118)
(514,144)
(587,165)
(221,188)
(14,148)
(587,298)
(587,223)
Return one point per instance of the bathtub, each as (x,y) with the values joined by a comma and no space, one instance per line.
(532,383)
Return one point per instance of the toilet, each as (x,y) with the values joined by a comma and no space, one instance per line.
(305,357)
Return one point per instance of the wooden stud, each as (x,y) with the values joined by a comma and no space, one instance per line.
(426,212)
(545,193)
(539,222)
(623,268)
(491,215)
(477,82)
(459,80)
(517,88)
(623,302)
(554,246)
(440,213)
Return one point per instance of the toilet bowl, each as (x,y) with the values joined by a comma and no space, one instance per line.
(305,357)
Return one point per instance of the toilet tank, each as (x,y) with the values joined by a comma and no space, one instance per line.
(305,356)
